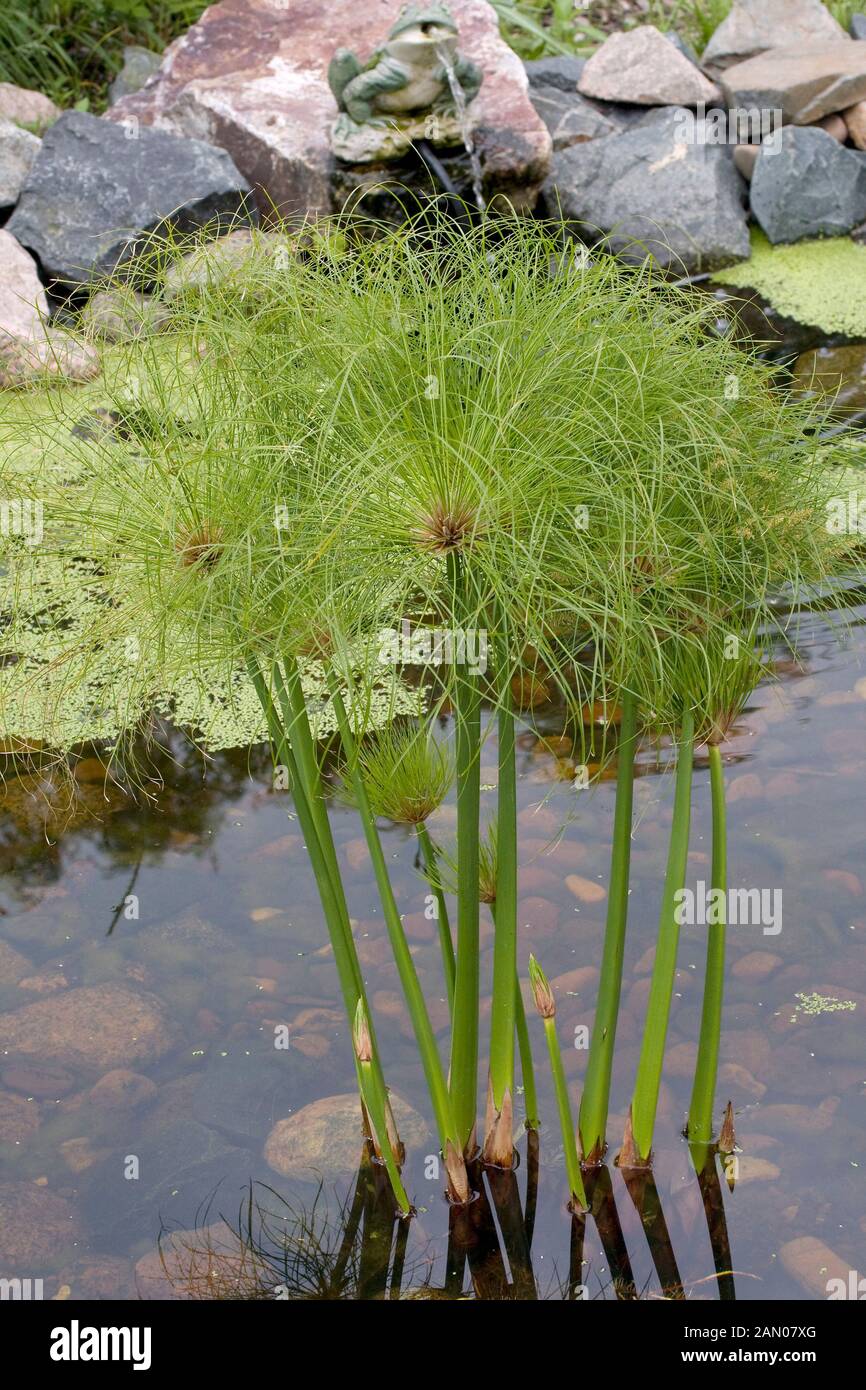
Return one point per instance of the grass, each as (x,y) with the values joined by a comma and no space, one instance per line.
(697,20)
(582,487)
(71,49)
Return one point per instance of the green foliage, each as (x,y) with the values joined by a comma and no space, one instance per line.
(71,49)
(545,28)
(406,774)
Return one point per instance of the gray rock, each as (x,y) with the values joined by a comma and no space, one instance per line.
(656,190)
(323,1140)
(683,45)
(858,26)
(804,83)
(569,117)
(643,68)
(753,26)
(563,72)
(138,65)
(97,189)
(243,1091)
(809,186)
(18,149)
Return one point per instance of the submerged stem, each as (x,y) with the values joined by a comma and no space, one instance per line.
(700,1128)
(546,1005)
(594,1103)
(498,1147)
(649,1071)
(464,1032)
(424,1035)
(446,944)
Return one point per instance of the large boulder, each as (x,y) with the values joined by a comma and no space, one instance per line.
(753,26)
(97,189)
(805,184)
(28,347)
(643,67)
(655,190)
(805,84)
(561,72)
(95,1027)
(18,149)
(251,76)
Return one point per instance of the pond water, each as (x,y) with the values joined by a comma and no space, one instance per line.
(230,940)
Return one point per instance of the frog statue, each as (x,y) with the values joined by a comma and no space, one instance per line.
(403,92)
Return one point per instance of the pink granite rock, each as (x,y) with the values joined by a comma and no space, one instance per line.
(753,26)
(251,76)
(25,107)
(643,67)
(805,83)
(28,348)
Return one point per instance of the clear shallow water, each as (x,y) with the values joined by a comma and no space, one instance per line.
(229,937)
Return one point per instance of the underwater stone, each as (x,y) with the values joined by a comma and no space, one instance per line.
(36,1226)
(643,67)
(96,189)
(324,1139)
(804,84)
(753,26)
(834,373)
(653,191)
(253,79)
(806,184)
(97,1026)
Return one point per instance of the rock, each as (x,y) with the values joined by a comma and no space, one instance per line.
(753,26)
(655,190)
(79,1154)
(813,1264)
(97,190)
(756,965)
(18,149)
(100,1277)
(799,1119)
(216,260)
(569,118)
(855,124)
(45,1083)
(560,72)
(96,1026)
(324,1139)
(252,78)
(586,890)
(46,982)
(806,185)
(122,1090)
(682,45)
(19,1118)
(804,84)
(837,374)
(835,126)
(13,966)
(739,1081)
(27,108)
(643,68)
(138,65)
(858,26)
(35,1228)
(744,158)
(28,348)
(122,314)
(242,1092)
(202,1264)
(751,1169)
